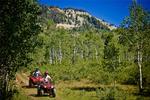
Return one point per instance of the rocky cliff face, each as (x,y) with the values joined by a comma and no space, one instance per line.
(69,18)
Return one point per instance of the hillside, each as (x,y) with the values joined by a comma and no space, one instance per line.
(69,18)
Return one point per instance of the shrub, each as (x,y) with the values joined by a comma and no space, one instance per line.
(111,93)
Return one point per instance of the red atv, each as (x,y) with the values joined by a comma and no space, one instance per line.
(46,88)
(33,81)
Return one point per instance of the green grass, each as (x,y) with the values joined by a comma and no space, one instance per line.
(84,90)
(20,96)
(86,82)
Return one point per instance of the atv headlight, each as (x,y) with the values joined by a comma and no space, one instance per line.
(52,86)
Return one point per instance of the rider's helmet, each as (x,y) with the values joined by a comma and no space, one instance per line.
(46,73)
(37,69)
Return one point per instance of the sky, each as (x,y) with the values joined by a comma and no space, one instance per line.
(112,11)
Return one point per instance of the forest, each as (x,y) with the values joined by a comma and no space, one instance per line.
(108,60)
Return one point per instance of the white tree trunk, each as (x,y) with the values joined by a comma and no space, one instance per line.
(60,54)
(50,56)
(140,68)
(81,54)
(74,55)
(96,54)
(55,56)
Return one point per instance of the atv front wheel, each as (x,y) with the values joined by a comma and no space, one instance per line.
(53,92)
(39,92)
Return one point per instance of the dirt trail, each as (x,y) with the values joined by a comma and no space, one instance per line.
(22,81)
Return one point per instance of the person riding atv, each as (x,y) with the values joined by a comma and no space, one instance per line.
(37,72)
(47,78)
(46,86)
(35,78)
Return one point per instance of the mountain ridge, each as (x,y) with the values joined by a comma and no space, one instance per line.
(69,18)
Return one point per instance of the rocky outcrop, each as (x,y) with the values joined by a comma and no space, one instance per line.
(69,18)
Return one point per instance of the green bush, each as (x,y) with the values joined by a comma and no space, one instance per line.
(111,93)
(20,96)
(128,74)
